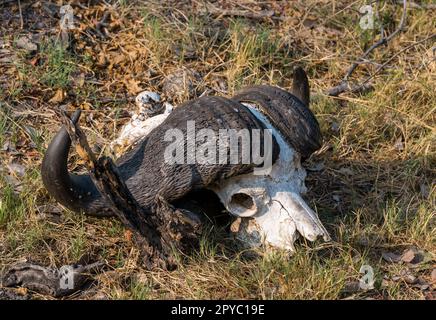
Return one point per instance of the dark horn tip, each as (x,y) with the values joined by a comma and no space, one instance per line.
(76,115)
(300,86)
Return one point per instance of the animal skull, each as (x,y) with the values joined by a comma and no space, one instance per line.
(271,204)
(269,208)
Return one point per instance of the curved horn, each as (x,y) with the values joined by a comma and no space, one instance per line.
(288,113)
(76,192)
(300,86)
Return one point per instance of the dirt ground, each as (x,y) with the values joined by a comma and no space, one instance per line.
(372,183)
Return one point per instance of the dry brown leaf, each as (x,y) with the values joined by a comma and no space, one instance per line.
(22,291)
(391,256)
(133,86)
(101,60)
(128,235)
(58,97)
(117,59)
(86,106)
(26,44)
(408,256)
(34,61)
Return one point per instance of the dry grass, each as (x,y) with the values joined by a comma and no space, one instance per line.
(373,179)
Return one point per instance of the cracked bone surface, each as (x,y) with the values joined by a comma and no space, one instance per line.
(269,208)
(273,201)
(142,122)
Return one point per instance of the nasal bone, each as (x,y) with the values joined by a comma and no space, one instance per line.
(305,219)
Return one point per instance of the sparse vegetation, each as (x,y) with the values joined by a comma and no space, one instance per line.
(372,183)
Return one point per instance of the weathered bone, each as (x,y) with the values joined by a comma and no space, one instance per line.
(143,121)
(273,200)
(269,207)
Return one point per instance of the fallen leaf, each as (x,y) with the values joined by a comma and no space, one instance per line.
(385,284)
(117,59)
(421,284)
(128,235)
(391,257)
(26,44)
(133,86)
(58,97)
(422,287)
(310,22)
(408,256)
(22,291)
(410,279)
(433,276)
(429,295)
(5,146)
(17,169)
(34,61)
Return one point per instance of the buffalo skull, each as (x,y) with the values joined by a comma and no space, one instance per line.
(268,208)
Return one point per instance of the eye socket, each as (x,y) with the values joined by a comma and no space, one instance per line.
(243,205)
(243,200)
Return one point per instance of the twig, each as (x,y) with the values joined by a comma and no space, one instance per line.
(394,56)
(157,231)
(344,85)
(101,24)
(21,15)
(364,86)
(415,5)
(6,2)
(108,182)
(210,8)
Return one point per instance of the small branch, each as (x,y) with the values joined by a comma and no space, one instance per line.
(21,14)
(99,27)
(210,8)
(364,86)
(107,180)
(156,231)
(344,85)
(383,40)
(423,6)
(394,56)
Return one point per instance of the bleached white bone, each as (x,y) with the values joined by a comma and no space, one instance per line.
(273,200)
(140,125)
